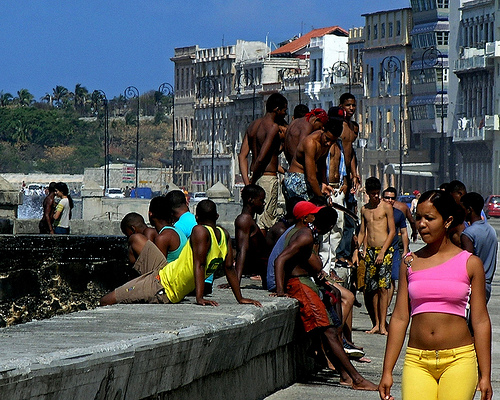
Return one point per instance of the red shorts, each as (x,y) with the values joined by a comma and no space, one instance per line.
(312,310)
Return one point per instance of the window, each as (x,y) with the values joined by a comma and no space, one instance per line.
(375,31)
(398,28)
(382,30)
(390,29)
(442,38)
(443,3)
(368,33)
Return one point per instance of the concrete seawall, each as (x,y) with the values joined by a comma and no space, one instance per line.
(181,351)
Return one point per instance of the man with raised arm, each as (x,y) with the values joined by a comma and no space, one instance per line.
(306,176)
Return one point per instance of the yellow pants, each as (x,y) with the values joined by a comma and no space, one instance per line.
(440,374)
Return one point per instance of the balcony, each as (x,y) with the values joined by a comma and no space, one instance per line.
(476,129)
(474,58)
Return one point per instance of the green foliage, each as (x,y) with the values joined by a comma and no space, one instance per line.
(42,138)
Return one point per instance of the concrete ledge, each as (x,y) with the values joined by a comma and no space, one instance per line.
(156,352)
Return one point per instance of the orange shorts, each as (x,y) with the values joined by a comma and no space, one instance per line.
(312,310)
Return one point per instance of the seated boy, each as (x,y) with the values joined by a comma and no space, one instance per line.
(133,224)
(207,249)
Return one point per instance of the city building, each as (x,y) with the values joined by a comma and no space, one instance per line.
(387,151)
(474,104)
(428,107)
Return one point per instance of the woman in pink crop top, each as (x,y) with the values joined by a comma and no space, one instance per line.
(438,283)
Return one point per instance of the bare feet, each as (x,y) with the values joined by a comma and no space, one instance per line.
(364,384)
(346,381)
(373,330)
(384,332)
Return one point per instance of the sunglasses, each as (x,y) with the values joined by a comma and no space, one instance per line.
(389,198)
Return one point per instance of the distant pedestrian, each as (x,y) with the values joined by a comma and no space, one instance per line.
(45,225)
(62,214)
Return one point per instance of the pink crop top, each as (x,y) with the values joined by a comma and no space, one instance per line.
(444,288)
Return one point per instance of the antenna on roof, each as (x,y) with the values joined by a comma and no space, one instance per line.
(222,40)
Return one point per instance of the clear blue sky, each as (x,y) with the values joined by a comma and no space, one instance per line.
(111,44)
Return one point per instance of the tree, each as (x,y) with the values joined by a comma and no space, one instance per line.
(59,93)
(24,97)
(80,98)
(5,99)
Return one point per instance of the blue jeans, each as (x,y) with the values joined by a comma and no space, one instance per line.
(59,230)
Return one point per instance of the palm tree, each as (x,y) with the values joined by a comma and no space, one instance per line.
(59,94)
(80,97)
(24,97)
(5,99)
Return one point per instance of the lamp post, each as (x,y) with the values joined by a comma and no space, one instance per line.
(341,68)
(166,89)
(432,57)
(210,83)
(249,80)
(100,97)
(291,74)
(392,65)
(130,93)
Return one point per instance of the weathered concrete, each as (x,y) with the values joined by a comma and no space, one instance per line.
(181,351)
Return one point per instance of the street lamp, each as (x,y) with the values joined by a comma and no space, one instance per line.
(100,96)
(249,80)
(341,68)
(392,65)
(432,57)
(167,89)
(292,74)
(130,93)
(209,85)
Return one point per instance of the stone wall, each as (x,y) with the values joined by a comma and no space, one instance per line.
(46,275)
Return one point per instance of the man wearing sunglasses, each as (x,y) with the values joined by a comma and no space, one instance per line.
(400,241)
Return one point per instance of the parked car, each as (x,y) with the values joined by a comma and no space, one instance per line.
(492,206)
(114,193)
(199,196)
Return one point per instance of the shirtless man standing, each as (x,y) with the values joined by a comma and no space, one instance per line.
(251,244)
(300,128)
(307,174)
(377,230)
(262,140)
(346,110)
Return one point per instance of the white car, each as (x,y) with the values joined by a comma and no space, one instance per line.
(199,196)
(114,193)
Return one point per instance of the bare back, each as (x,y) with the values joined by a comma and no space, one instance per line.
(264,143)
(296,132)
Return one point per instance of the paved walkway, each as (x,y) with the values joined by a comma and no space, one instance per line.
(328,387)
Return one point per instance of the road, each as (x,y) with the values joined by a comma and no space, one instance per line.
(327,386)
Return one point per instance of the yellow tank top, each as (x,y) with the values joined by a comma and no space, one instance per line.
(177,277)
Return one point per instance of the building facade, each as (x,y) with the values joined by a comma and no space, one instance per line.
(385,131)
(474,124)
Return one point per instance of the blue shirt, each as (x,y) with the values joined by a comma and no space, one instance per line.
(186,223)
(277,249)
(484,238)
